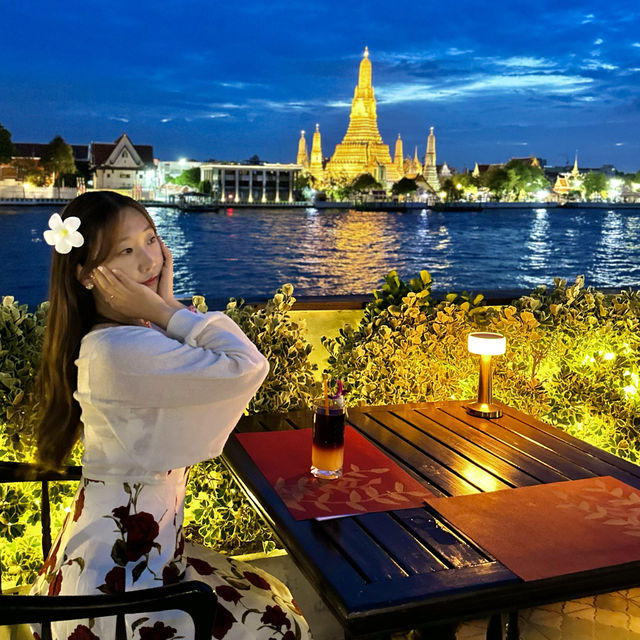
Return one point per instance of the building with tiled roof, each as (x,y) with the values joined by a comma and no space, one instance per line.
(121,164)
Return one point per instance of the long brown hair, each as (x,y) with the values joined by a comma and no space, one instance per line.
(72,313)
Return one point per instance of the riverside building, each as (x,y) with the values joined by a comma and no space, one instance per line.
(268,182)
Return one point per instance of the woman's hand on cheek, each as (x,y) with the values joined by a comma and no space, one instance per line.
(127,298)
(165,284)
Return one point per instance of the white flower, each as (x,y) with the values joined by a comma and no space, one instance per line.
(63,234)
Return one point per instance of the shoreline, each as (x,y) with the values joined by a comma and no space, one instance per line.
(357,206)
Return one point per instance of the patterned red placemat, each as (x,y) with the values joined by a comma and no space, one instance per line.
(370,481)
(552,529)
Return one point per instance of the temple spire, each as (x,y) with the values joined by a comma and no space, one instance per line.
(315,165)
(362,150)
(303,155)
(575,172)
(430,171)
(364,77)
(398,156)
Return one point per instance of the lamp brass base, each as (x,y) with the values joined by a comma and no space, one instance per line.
(483,410)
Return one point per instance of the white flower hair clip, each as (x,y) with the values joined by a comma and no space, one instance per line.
(63,234)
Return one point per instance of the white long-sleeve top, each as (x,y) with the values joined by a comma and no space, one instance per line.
(153,401)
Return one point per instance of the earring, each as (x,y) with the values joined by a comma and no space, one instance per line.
(89,286)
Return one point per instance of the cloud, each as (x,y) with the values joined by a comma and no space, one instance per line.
(551,84)
(619,144)
(595,65)
(598,41)
(588,18)
(454,51)
(525,62)
(636,44)
(236,84)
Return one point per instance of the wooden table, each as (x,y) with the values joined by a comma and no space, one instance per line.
(385,572)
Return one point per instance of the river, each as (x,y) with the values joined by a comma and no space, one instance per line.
(250,253)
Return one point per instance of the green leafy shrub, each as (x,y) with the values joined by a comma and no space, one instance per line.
(220,517)
(290,383)
(21,334)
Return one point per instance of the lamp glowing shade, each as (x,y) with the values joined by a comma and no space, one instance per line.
(487,344)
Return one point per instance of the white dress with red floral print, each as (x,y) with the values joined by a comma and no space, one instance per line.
(154,403)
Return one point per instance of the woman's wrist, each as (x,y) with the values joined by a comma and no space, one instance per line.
(163,314)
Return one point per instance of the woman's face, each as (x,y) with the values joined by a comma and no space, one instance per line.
(137,251)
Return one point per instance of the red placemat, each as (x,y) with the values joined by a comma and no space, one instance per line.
(370,480)
(552,529)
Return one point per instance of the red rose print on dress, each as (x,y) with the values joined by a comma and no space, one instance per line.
(256,580)
(79,505)
(171,573)
(228,593)
(159,631)
(56,584)
(114,581)
(82,632)
(275,617)
(202,568)
(223,622)
(141,530)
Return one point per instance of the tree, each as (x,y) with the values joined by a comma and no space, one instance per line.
(303,186)
(466,183)
(57,159)
(365,182)
(524,179)
(403,187)
(189,178)
(7,148)
(451,190)
(496,179)
(595,182)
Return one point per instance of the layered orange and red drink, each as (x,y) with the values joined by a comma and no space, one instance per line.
(327,450)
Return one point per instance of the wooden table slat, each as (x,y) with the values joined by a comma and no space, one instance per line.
(437,536)
(435,476)
(539,451)
(364,551)
(444,430)
(467,469)
(406,550)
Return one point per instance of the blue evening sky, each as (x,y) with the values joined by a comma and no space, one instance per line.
(226,80)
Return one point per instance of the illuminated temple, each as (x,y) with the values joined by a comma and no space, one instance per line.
(361,150)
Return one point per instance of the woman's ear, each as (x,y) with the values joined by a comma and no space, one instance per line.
(85,281)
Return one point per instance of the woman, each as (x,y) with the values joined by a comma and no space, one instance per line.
(151,388)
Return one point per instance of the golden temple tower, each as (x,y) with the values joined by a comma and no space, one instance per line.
(575,172)
(398,157)
(430,171)
(362,150)
(315,165)
(303,156)
(416,163)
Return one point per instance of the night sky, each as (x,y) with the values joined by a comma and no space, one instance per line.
(226,80)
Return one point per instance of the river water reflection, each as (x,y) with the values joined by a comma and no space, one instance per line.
(250,253)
